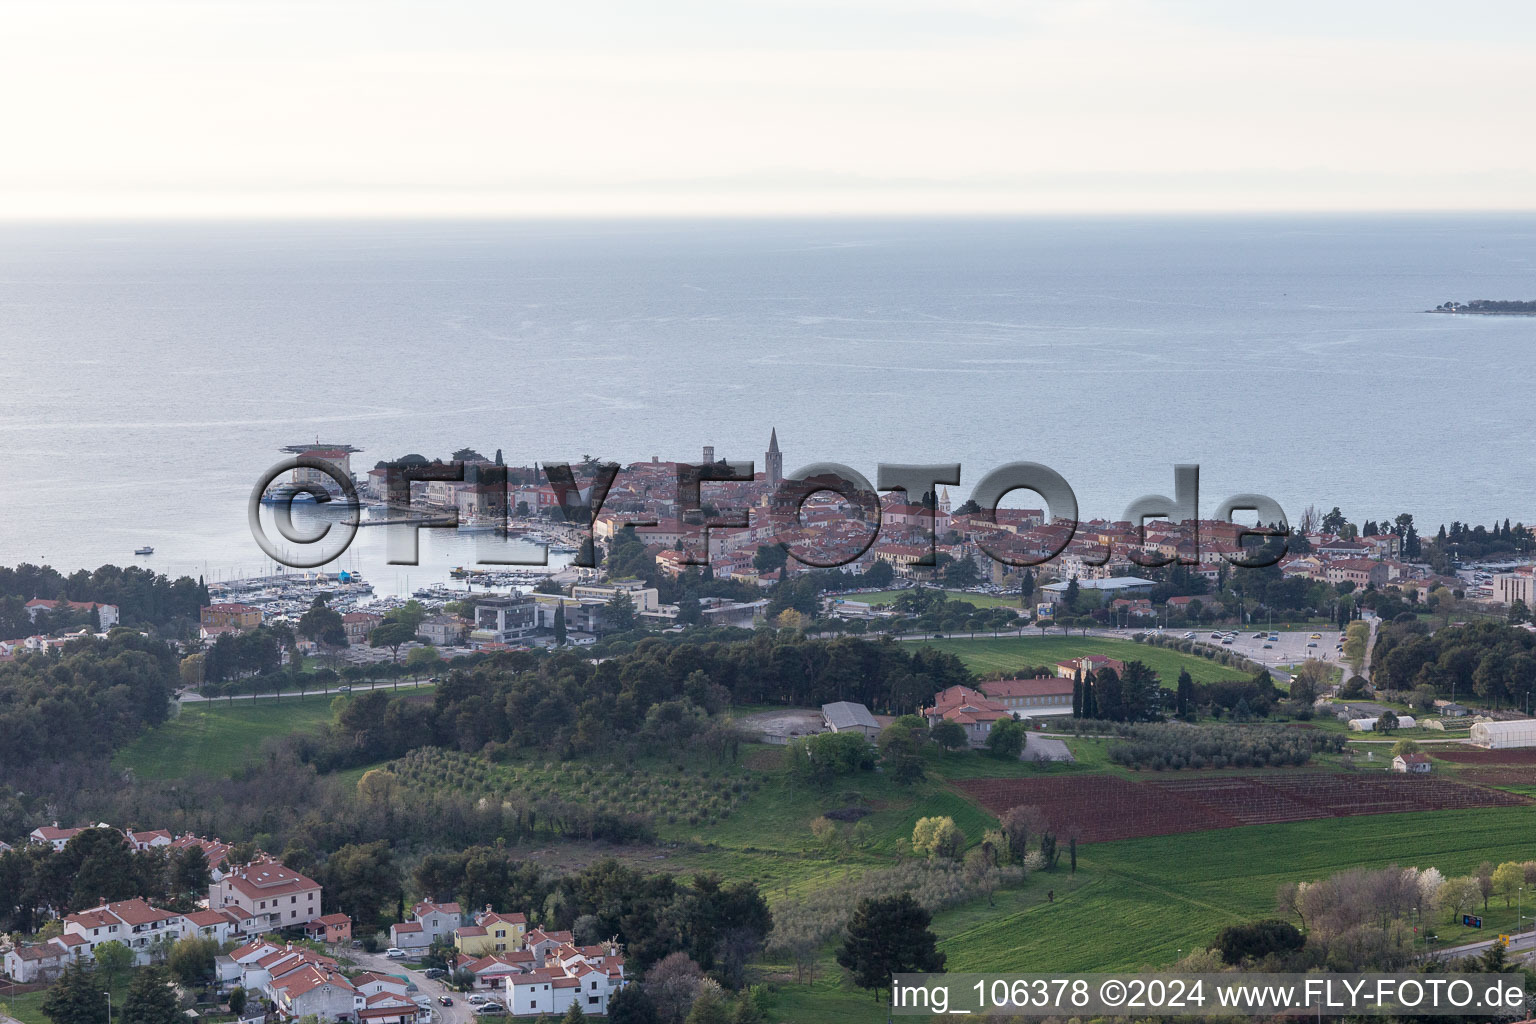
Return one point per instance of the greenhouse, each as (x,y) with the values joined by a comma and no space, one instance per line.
(1504,735)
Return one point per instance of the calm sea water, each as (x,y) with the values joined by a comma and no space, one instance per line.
(151,372)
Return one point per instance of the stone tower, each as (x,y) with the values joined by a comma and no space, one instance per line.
(773,460)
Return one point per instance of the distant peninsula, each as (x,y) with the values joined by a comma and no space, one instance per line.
(1488,307)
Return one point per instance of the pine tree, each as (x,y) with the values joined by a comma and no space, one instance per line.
(559,624)
(1184,694)
(75,998)
(889,936)
(1077,694)
(151,1000)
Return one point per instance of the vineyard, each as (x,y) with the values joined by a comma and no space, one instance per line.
(1100,808)
(561,796)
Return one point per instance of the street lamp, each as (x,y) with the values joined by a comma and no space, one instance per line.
(109,1006)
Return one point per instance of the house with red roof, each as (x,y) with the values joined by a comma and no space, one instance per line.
(274,895)
(1031,698)
(972,710)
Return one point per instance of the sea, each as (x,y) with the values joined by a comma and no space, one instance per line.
(151,372)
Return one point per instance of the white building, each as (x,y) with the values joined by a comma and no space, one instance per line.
(274,896)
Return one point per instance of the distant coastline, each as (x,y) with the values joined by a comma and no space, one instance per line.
(1488,307)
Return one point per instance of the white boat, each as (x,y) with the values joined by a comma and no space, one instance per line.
(145,550)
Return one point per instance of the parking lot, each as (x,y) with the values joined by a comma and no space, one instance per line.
(1289,648)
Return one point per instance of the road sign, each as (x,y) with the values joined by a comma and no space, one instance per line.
(1471,921)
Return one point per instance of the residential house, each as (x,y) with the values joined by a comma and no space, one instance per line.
(442,630)
(439,920)
(972,710)
(492,970)
(587,976)
(107,613)
(54,836)
(1412,764)
(409,936)
(134,923)
(491,933)
(357,626)
(1089,663)
(275,896)
(42,962)
(330,929)
(231,615)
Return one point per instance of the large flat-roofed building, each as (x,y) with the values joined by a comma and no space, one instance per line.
(1106,589)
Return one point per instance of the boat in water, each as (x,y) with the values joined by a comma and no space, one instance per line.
(145,550)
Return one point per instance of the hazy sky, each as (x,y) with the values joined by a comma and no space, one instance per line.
(756,107)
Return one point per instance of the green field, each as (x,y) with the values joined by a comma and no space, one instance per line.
(985,655)
(979,600)
(1141,900)
(217,737)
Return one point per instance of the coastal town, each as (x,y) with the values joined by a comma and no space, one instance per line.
(905,676)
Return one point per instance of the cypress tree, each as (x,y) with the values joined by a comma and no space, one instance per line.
(1077,694)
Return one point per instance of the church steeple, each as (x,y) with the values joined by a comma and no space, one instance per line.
(773,460)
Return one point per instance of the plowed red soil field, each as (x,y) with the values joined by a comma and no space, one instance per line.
(1521,755)
(1107,807)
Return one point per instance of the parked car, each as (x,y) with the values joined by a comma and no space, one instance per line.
(395,953)
(490,1009)
(478,998)
(435,973)
(343,689)
(1311,643)
(1268,646)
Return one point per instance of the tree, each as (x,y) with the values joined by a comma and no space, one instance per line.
(151,999)
(1507,878)
(620,612)
(322,623)
(889,936)
(392,635)
(1184,695)
(191,960)
(574,1015)
(1006,739)
(709,1006)
(237,1001)
(76,998)
(422,657)
(1404,747)
(632,1005)
(112,960)
(1387,722)
(560,625)
(947,734)
(1258,939)
(189,870)
(938,837)
(361,880)
(1018,823)
(673,984)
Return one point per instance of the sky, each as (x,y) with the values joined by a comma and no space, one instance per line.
(466,108)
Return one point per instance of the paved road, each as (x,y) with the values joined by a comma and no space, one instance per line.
(1518,942)
(459,1013)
